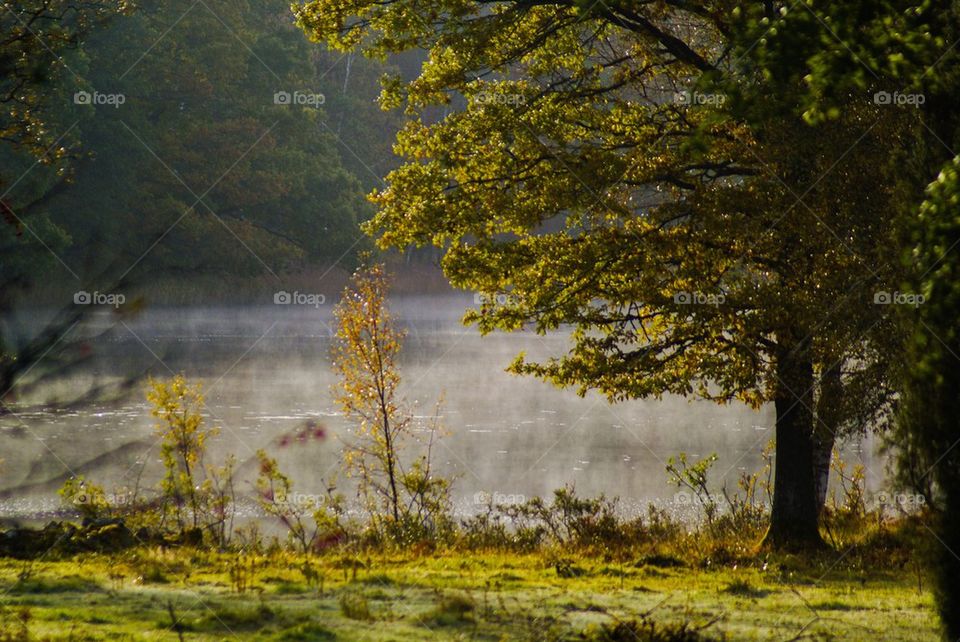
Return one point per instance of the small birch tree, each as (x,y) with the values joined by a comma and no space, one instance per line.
(365,358)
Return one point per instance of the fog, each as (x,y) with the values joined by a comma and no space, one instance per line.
(266,371)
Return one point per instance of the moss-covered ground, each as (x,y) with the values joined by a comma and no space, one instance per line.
(172,594)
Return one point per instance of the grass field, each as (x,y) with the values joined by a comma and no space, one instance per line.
(154,594)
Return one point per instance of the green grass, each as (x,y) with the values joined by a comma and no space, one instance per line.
(453,596)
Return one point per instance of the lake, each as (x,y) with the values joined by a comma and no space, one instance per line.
(266,372)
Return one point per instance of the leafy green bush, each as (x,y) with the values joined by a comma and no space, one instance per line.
(568,520)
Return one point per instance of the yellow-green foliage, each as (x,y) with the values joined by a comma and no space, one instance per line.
(448,595)
(14,624)
(365,356)
(86,496)
(194,495)
(177,406)
(406,499)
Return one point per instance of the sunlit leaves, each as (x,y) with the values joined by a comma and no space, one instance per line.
(365,352)
(406,499)
(590,174)
(186,486)
(935,257)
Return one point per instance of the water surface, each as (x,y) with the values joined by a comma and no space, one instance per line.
(266,372)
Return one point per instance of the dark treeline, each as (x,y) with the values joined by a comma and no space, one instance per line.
(212,148)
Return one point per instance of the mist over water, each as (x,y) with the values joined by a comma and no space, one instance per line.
(266,372)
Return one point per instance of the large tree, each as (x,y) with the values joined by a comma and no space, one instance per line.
(591,169)
(903,54)
(40,41)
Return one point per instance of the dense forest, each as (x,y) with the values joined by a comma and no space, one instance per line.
(177,146)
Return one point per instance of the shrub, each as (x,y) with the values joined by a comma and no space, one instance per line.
(184,489)
(310,524)
(192,498)
(568,520)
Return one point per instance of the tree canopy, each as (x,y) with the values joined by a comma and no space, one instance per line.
(599,168)
(186,156)
(901,53)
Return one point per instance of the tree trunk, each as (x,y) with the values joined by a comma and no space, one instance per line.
(948,565)
(822,454)
(794,518)
(932,406)
(825,430)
